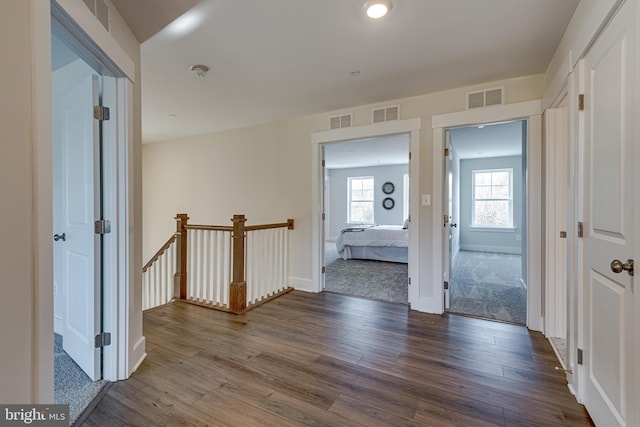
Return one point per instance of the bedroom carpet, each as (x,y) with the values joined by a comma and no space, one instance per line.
(487,285)
(375,280)
(71,384)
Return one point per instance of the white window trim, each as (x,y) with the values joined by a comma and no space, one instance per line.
(373,200)
(486,227)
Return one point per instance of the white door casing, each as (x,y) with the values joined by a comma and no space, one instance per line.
(446,226)
(80,192)
(609,152)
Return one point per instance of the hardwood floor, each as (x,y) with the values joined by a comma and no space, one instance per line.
(331,360)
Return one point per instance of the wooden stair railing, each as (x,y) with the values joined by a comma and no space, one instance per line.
(198,277)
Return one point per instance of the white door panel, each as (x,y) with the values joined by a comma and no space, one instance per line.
(80,207)
(608,221)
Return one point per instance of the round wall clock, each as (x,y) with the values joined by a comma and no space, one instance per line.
(388,203)
(388,187)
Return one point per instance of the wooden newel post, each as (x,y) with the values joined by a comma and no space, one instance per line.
(180,278)
(238,287)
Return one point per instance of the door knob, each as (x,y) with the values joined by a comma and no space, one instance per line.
(62,237)
(618,267)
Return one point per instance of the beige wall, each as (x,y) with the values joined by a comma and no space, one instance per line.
(26,308)
(270,165)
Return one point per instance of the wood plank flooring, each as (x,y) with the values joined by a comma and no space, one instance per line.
(331,360)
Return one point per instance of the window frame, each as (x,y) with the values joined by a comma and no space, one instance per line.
(495,227)
(350,199)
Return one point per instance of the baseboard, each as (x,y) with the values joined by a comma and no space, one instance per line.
(138,355)
(301,284)
(58,325)
(524,284)
(487,248)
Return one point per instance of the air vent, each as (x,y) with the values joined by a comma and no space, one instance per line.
(100,10)
(485,98)
(386,114)
(342,121)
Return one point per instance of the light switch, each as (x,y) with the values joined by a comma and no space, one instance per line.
(426,200)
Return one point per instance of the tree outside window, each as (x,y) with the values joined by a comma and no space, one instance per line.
(361,194)
(492,198)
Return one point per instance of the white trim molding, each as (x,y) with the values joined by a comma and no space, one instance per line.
(531,111)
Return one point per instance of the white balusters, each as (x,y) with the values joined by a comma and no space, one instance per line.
(266,263)
(209,266)
(157,277)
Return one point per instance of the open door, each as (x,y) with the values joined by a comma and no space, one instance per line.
(447,203)
(608,294)
(79,207)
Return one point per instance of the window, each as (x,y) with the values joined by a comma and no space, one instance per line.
(492,198)
(360,209)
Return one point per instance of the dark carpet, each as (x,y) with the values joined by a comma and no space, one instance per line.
(487,284)
(71,384)
(375,280)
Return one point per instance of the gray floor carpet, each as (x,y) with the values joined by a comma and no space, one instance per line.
(376,280)
(71,384)
(487,284)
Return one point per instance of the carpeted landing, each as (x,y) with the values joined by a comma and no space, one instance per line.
(71,384)
(375,280)
(487,285)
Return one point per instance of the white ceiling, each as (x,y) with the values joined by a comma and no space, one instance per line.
(387,150)
(492,140)
(275,59)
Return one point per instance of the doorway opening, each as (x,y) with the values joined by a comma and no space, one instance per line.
(366,205)
(486,234)
(77,203)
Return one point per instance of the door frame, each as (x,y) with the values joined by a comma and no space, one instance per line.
(318,139)
(531,112)
(123,356)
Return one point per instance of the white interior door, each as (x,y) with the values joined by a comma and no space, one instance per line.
(608,224)
(446,236)
(80,192)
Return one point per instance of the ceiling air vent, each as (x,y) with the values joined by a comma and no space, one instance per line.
(342,121)
(485,98)
(100,10)
(385,114)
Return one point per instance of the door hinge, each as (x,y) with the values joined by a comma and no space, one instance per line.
(103,226)
(323,163)
(446,285)
(101,113)
(324,270)
(580,229)
(409,155)
(445,218)
(446,152)
(323,216)
(581,102)
(563,234)
(409,280)
(103,339)
(579,361)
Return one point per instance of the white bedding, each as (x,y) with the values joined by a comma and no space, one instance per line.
(380,242)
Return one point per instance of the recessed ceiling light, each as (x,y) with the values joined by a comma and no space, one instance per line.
(354,73)
(376,9)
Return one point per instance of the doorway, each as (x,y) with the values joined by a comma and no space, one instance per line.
(366,208)
(77,206)
(486,221)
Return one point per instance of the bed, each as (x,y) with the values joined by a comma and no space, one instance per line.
(376,242)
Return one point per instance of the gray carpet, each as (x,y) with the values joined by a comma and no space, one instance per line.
(487,284)
(376,280)
(71,384)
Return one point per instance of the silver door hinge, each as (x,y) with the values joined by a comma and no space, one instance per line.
(581,102)
(101,113)
(324,270)
(579,361)
(323,216)
(446,152)
(103,339)
(409,280)
(103,226)
(323,163)
(445,218)
(580,229)
(446,285)
(409,155)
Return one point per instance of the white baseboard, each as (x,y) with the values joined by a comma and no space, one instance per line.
(58,325)
(301,284)
(486,248)
(138,354)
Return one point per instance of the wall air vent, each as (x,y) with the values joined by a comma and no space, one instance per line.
(385,114)
(485,98)
(341,121)
(100,10)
